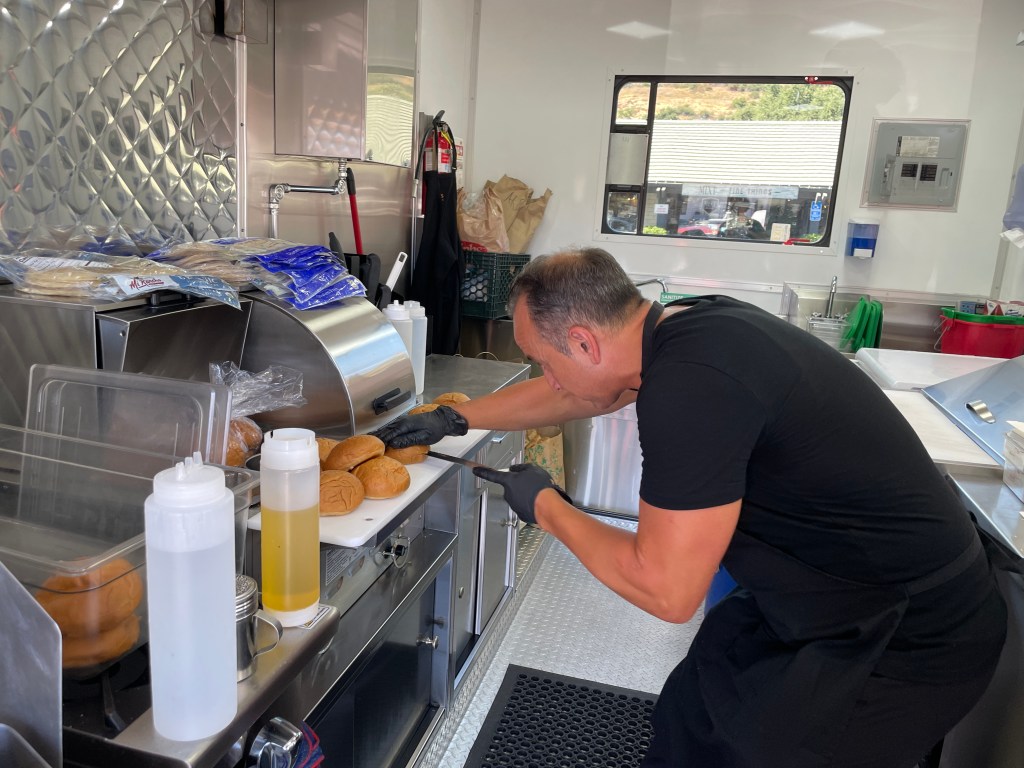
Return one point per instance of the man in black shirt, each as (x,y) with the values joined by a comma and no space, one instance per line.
(866,622)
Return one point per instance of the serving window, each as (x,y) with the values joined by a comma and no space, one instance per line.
(730,158)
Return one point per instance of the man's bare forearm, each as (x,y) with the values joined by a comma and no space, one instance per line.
(526,405)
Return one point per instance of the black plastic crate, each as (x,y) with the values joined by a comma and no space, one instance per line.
(487,283)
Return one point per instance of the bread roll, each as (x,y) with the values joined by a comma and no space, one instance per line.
(252,435)
(451,398)
(414,454)
(90,650)
(340,492)
(383,477)
(354,450)
(425,408)
(244,440)
(93,602)
(325,445)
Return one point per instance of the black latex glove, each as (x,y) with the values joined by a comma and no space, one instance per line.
(422,428)
(522,483)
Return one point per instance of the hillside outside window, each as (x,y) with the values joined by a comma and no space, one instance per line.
(725,158)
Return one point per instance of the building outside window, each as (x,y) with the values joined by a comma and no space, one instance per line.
(741,159)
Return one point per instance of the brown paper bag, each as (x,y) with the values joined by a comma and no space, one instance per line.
(526,222)
(480,221)
(514,196)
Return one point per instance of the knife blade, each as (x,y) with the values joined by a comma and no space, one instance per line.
(457,460)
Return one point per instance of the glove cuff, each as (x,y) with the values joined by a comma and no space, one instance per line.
(456,424)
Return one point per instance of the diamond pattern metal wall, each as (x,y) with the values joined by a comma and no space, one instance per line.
(117,122)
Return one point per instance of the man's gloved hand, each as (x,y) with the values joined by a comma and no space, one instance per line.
(522,483)
(422,428)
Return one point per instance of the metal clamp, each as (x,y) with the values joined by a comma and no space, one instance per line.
(981,410)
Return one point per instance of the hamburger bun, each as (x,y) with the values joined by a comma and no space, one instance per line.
(354,450)
(414,454)
(383,477)
(88,604)
(87,651)
(340,492)
(425,408)
(325,445)
(244,440)
(249,431)
(451,398)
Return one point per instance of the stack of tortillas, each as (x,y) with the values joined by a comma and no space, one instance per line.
(217,260)
(56,276)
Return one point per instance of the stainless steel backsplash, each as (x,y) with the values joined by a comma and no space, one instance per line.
(117,118)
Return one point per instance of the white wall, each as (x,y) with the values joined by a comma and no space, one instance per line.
(543,100)
(447,65)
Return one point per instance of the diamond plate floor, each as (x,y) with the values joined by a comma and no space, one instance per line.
(571,624)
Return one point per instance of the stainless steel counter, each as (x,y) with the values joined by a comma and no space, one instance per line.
(469,375)
(998,511)
(140,745)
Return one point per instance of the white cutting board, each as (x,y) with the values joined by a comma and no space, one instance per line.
(361,525)
(943,439)
(906,369)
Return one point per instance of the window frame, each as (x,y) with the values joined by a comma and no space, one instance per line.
(844,82)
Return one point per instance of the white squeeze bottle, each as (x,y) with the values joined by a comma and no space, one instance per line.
(399,317)
(418,315)
(290,525)
(190,583)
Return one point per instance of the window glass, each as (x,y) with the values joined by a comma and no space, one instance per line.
(734,158)
(621,210)
(632,103)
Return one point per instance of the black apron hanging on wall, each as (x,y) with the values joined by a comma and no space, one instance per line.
(440,263)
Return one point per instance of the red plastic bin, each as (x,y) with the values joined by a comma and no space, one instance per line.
(985,339)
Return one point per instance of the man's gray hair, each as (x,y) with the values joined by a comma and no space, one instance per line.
(575,286)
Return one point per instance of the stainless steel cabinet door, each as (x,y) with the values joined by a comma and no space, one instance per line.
(471,490)
(377,719)
(497,531)
(497,525)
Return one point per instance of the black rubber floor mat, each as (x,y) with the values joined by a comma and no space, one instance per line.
(542,720)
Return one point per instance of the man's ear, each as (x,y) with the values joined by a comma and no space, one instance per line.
(582,339)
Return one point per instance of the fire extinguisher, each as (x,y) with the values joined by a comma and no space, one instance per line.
(439,148)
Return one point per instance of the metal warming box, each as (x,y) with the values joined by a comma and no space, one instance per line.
(356,371)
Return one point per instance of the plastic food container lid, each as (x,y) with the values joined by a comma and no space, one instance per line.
(289,448)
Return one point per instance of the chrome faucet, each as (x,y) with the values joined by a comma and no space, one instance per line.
(279,190)
(658,280)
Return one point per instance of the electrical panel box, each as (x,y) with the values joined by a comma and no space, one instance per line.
(915,164)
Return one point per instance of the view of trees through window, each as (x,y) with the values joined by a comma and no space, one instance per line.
(737,158)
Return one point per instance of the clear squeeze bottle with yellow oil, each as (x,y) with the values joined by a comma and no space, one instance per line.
(290,525)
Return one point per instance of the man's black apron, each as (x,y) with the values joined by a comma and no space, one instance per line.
(741,697)
(440,264)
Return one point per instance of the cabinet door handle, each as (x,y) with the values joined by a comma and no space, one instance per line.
(431,641)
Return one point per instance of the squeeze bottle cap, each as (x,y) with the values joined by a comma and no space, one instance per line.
(189,483)
(415,309)
(289,448)
(396,311)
